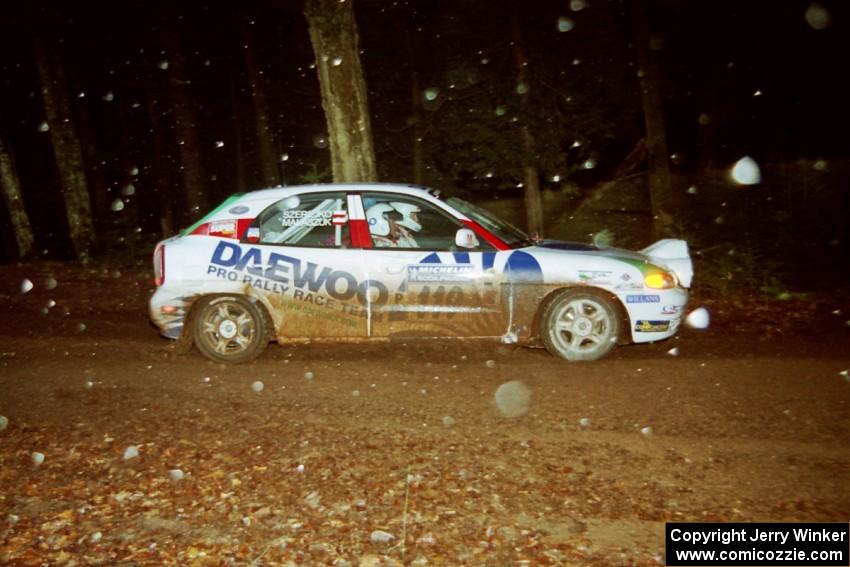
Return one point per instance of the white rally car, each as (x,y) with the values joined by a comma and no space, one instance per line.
(381,261)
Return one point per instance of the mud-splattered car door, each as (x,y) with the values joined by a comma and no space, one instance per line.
(311,276)
(435,289)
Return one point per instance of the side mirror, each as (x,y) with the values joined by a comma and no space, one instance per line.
(465,238)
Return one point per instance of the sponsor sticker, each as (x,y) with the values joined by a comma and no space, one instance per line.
(671,310)
(439,273)
(238,210)
(340,217)
(644,326)
(223,227)
(306,218)
(643,298)
(594,276)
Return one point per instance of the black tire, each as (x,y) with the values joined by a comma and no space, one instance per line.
(229,329)
(580,324)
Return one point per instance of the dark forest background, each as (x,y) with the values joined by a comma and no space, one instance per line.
(448,97)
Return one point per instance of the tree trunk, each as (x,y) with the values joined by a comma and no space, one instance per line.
(185,127)
(660,186)
(67,151)
(333,33)
(15,203)
(236,125)
(165,183)
(531,182)
(265,132)
(418,130)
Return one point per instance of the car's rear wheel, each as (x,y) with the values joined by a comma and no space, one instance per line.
(580,325)
(229,329)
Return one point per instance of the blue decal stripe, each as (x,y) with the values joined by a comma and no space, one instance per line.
(489,259)
(462,257)
(523,268)
(431,259)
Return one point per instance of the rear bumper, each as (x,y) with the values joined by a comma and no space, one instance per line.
(168,313)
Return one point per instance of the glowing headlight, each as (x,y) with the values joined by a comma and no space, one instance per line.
(659,280)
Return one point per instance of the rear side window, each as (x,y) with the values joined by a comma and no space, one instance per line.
(313,219)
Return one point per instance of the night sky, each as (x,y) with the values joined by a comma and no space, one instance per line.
(762,79)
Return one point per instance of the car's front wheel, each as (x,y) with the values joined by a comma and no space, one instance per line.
(580,325)
(229,329)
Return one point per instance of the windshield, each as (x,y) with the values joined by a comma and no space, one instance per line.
(510,234)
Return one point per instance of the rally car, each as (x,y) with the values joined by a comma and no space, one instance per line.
(385,261)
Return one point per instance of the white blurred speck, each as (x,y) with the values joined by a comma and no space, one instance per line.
(565,24)
(257,386)
(300,469)
(89,384)
(522,88)
(96,537)
(43,127)
(380,536)
(336,61)
(692,190)
(308,375)
(746,171)
(673,351)
(26,285)
(647,431)
(578,5)
(37,458)
(584,422)
(490,364)
(513,399)
(355,393)
(448,421)
(820,165)
(117,205)
(818,17)
(128,190)
(589,164)
(4,422)
(163,65)
(219,144)
(698,318)
(131,452)
(431,94)
(175,474)
(757,93)
(109,97)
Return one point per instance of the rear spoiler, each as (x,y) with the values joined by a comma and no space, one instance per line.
(672,254)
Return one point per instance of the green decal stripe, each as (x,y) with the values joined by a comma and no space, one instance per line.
(642,265)
(213,212)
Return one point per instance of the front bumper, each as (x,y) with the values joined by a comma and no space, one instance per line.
(655,315)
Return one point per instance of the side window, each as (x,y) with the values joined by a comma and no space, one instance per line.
(398,221)
(312,219)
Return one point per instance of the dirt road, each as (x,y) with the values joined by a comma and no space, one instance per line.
(396,454)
